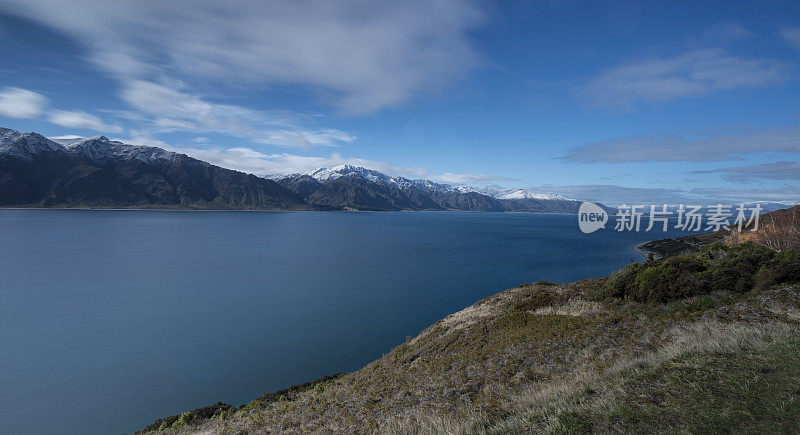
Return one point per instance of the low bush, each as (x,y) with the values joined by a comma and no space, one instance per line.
(737,269)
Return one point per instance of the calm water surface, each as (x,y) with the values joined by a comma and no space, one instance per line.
(111,319)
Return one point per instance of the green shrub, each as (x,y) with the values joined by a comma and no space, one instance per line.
(738,269)
(785,267)
(735,269)
(222,414)
(622,283)
(184,419)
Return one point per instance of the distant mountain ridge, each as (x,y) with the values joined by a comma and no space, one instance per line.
(354,187)
(97,172)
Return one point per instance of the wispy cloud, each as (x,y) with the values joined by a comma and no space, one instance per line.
(362,55)
(789,194)
(611,194)
(725,32)
(771,171)
(258,163)
(791,35)
(449,177)
(165,109)
(21,103)
(80,119)
(615,195)
(685,148)
(690,74)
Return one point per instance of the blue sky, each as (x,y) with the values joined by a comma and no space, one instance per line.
(608,100)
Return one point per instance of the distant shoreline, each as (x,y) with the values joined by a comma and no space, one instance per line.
(642,250)
(677,245)
(277,210)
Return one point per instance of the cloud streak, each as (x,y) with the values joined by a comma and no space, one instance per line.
(258,163)
(725,32)
(611,194)
(80,119)
(770,171)
(164,109)
(363,55)
(792,36)
(787,194)
(615,195)
(451,178)
(686,148)
(21,103)
(691,74)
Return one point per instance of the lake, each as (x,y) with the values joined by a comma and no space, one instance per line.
(111,319)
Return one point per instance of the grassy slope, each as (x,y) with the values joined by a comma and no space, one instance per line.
(566,358)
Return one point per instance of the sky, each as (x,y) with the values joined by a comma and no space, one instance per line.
(614,101)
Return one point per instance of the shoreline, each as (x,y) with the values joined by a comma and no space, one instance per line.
(663,248)
(278,210)
(644,252)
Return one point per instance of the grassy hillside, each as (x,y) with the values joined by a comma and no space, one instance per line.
(702,342)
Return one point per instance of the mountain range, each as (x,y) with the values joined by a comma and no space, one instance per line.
(98,172)
(352,187)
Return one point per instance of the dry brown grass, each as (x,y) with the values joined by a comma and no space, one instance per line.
(576,307)
(539,406)
(467,317)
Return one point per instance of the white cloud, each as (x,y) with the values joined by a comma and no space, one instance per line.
(787,194)
(791,35)
(448,177)
(80,119)
(255,162)
(773,171)
(610,194)
(21,103)
(258,163)
(614,195)
(365,55)
(679,148)
(166,109)
(724,32)
(690,74)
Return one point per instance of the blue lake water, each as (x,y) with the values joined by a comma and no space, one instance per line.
(111,319)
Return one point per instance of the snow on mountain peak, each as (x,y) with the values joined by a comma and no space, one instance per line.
(427,186)
(103,149)
(510,193)
(25,145)
(334,172)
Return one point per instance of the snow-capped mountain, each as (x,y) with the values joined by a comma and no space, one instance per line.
(102,149)
(98,149)
(26,145)
(361,188)
(427,186)
(511,193)
(334,172)
(99,172)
